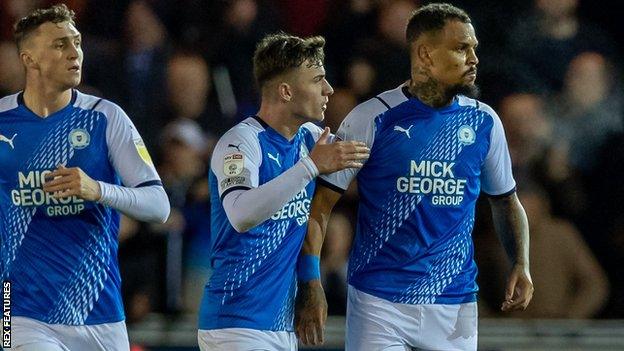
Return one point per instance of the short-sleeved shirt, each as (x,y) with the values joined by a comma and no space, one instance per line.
(418,191)
(253,283)
(61,255)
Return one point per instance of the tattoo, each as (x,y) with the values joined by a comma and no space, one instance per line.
(433,94)
(511,224)
(430,93)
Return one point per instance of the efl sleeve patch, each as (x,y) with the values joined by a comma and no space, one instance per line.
(142,150)
(233,164)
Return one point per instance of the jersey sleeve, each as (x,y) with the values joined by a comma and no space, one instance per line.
(359,125)
(126,149)
(236,161)
(496,174)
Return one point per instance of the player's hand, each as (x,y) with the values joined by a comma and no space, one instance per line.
(65,182)
(519,290)
(333,157)
(310,313)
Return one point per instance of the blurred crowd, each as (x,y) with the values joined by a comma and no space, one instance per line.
(551,68)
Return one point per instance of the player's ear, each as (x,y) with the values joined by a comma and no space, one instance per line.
(28,60)
(423,53)
(285,91)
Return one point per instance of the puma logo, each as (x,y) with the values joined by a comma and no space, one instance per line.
(237,147)
(274,158)
(403,130)
(7,140)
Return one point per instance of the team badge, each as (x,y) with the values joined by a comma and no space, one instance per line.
(233,164)
(142,150)
(79,138)
(466,135)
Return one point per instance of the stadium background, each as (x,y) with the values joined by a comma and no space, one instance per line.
(550,68)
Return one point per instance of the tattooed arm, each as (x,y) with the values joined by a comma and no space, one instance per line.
(512,227)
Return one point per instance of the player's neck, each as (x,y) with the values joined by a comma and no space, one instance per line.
(430,94)
(280,120)
(44,102)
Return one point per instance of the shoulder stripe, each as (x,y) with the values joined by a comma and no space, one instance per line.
(505,194)
(84,101)
(383,102)
(323,182)
(261,121)
(149,183)
(229,190)
(96,104)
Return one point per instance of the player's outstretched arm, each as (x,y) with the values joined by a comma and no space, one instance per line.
(269,197)
(311,305)
(332,157)
(512,226)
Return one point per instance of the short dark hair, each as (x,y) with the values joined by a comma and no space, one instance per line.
(278,53)
(433,17)
(55,14)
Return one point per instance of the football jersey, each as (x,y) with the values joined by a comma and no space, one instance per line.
(254,280)
(61,255)
(418,191)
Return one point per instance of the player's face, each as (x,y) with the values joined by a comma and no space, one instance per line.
(310,92)
(454,60)
(57,54)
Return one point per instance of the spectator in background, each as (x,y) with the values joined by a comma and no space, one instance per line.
(387,51)
(189,92)
(588,110)
(13,10)
(196,236)
(143,67)
(343,18)
(587,113)
(538,156)
(190,22)
(550,38)
(528,131)
(334,258)
(572,283)
(245,22)
(303,17)
(141,262)
(11,71)
(183,155)
(361,77)
(183,152)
